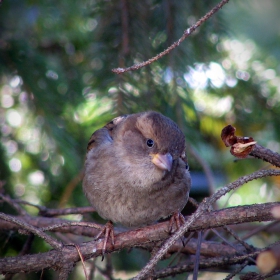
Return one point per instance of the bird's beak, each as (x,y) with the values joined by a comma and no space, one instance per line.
(163,162)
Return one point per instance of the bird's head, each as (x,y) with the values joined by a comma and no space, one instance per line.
(163,137)
(150,137)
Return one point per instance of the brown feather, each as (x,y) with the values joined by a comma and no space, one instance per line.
(122,182)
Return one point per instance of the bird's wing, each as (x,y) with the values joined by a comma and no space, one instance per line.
(104,134)
(113,124)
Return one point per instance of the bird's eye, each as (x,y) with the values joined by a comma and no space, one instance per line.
(150,143)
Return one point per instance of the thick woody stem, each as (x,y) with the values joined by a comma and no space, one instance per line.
(266,155)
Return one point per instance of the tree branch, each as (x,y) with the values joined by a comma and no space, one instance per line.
(213,219)
(266,155)
(208,263)
(203,207)
(186,34)
(139,237)
(29,228)
(63,258)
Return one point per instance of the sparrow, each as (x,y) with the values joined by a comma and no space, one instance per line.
(136,171)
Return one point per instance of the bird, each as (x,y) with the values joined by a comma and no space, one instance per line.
(136,171)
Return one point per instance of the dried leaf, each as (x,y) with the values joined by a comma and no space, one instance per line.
(240,146)
(242,150)
(228,135)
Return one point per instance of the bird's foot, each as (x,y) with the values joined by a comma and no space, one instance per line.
(177,220)
(108,231)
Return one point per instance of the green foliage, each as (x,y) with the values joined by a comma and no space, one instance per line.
(57,87)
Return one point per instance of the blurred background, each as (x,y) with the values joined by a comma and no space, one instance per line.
(57,87)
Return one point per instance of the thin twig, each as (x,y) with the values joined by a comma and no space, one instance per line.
(186,240)
(257,276)
(66,211)
(82,260)
(13,203)
(197,256)
(68,190)
(186,34)
(92,269)
(46,212)
(237,270)
(224,239)
(236,237)
(270,274)
(259,229)
(27,245)
(68,224)
(234,247)
(54,243)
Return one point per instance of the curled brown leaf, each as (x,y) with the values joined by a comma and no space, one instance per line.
(228,135)
(240,146)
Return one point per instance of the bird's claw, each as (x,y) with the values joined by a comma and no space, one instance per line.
(108,231)
(177,219)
